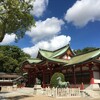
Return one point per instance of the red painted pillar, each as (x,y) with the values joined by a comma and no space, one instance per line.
(29,76)
(50,72)
(81,73)
(99,71)
(74,75)
(91,75)
(34,76)
(43,77)
(82,86)
(91,72)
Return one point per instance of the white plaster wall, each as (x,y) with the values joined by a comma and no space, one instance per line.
(96,75)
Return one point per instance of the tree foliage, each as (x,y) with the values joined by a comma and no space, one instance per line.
(54,81)
(87,49)
(11,58)
(15,17)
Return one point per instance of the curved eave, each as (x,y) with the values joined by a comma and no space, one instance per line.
(45,53)
(78,63)
(33,61)
(84,58)
(97,61)
(60,52)
(53,59)
(57,60)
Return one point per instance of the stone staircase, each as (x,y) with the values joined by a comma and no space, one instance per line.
(91,94)
(89,91)
(92,87)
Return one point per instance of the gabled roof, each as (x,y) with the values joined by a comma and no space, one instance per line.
(60,51)
(54,54)
(50,55)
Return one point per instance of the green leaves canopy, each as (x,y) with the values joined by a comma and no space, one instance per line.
(87,49)
(11,58)
(15,17)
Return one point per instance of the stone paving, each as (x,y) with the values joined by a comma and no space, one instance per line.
(27,94)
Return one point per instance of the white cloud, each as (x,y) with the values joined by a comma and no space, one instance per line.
(44,29)
(53,44)
(39,6)
(83,11)
(8,39)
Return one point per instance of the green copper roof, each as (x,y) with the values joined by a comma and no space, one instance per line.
(83,57)
(58,60)
(34,60)
(60,51)
(53,54)
(46,53)
(50,55)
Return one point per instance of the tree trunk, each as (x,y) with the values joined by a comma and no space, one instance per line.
(2,36)
(2,31)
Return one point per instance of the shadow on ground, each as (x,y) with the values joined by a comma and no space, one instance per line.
(17,97)
(3,92)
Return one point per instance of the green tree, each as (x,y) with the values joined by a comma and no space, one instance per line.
(54,81)
(9,64)
(87,49)
(11,58)
(1,61)
(15,17)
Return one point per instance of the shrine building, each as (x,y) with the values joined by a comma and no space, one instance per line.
(77,69)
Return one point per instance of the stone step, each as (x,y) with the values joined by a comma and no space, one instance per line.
(92,93)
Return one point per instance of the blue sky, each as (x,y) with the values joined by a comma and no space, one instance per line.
(59,22)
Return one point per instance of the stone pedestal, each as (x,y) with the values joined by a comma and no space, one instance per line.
(37,89)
